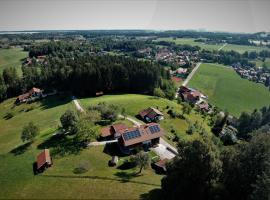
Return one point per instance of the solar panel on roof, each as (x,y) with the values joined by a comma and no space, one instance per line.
(131,135)
(154,129)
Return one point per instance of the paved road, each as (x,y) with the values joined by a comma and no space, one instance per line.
(222,46)
(102,143)
(77,104)
(191,74)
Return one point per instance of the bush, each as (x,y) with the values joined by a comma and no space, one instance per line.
(158,93)
(83,167)
(191,130)
(29,132)
(9,115)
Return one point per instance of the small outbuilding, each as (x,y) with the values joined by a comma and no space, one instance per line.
(160,166)
(44,160)
(151,115)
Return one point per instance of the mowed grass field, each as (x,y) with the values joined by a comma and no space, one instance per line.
(59,182)
(12,58)
(133,103)
(228,47)
(228,91)
(266,63)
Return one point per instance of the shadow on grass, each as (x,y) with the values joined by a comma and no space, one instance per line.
(112,149)
(54,101)
(155,194)
(21,149)
(125,176)
(62,145)
(98,178)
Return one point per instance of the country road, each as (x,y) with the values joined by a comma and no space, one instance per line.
(222,47)
(77,104)
(191,74)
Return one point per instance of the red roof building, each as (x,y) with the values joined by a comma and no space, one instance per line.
(151,114)
(34,92)
(113,130)
(143,134)
(44,159)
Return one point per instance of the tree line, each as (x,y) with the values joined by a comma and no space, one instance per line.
(77,68)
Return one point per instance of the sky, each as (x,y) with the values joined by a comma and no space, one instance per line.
(210,15)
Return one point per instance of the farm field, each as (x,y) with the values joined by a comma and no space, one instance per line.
(228,47)
(11,58)
(229,91)
(133,103)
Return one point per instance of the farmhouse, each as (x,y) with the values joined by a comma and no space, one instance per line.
(151,115)
(30,95)
(189,95)
(113,131)
(204,106)
(144,136)
(44,160)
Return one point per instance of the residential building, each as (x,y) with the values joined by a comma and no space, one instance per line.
(151,115)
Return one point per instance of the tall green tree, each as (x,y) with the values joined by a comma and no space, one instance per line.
(193,172)
(29,132)
(246,168)
(142,160)
(69,120)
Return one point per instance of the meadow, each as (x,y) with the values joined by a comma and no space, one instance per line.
(133,103)
(12,58)
(228,47)
(228,91)
(60,181)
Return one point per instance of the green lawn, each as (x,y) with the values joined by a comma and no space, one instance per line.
(12,58)
(133,103)
(59,181)
(228,90)
(16,176)
(228,47)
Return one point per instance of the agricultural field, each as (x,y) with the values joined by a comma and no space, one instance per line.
(133,103)
(228,47)
(228,91)
(12,58)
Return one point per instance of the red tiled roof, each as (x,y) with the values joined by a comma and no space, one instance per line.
(162,163)
(24,96)
(150,112)
(37,90)
(43,158)
(119,127)
(106,131)
(111,130)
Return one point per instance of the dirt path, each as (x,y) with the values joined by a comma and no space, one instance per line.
(77,104)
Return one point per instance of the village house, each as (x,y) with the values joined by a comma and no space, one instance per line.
(151,115)
(204,106)
(180,72)
(113,131)
(189,95)
(144,136)
(32,94)
(44,160)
